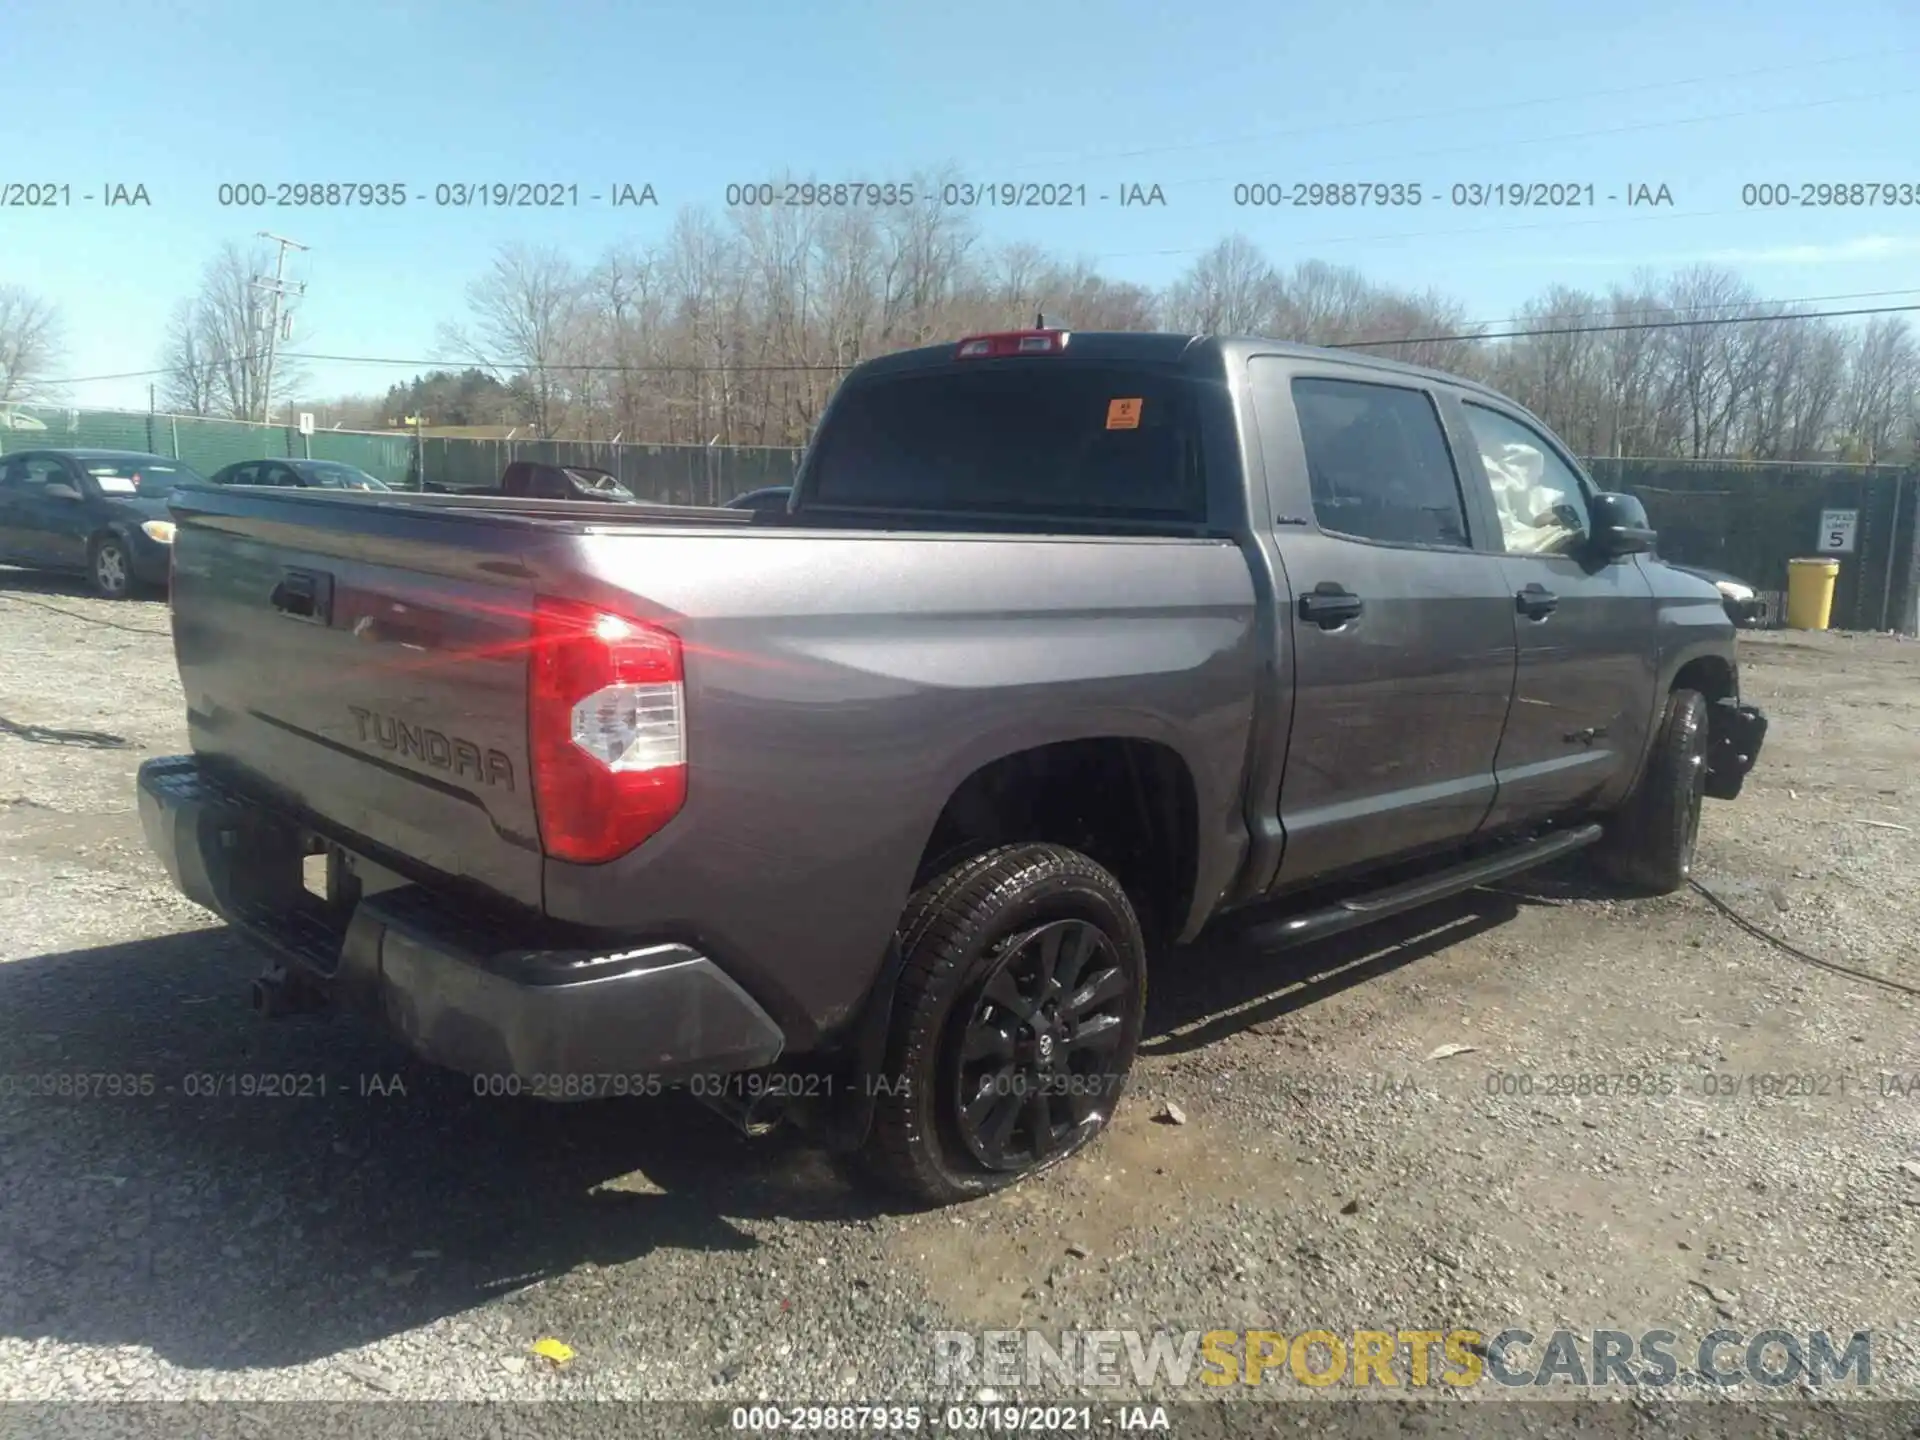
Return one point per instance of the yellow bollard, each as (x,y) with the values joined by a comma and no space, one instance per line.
(1810,593)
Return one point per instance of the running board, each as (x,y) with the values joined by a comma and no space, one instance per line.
(1412,894)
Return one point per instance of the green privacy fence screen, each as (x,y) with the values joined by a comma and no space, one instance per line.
(678,474)
(1749,519)
(204,444)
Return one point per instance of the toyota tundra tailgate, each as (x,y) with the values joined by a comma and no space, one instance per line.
(363,664)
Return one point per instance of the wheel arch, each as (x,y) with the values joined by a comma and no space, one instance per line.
(969,821)
(1127,802)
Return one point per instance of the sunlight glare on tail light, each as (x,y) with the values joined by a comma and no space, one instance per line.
(607,730)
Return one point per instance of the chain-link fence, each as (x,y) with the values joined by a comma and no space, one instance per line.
(204,444)
(1751,519)
(676,474)
(1746,519)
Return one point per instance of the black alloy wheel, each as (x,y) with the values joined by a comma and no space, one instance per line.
(1040,1056)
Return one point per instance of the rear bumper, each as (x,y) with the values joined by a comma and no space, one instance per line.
(478,995)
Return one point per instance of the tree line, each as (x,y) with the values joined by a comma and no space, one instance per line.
(735,328)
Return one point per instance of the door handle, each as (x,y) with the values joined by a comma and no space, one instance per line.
(1330,605)
(1535,601)
(305,595)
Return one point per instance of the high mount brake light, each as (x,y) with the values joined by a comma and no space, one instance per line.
(607,728)
(1012,342)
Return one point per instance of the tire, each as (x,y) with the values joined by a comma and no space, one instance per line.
(110,568)
(1650,840)
(979,946)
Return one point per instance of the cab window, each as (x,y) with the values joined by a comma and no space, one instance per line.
(1540,500)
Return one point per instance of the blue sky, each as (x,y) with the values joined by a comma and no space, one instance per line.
(1194,97)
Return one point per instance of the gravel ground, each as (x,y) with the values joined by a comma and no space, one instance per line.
(400,1238)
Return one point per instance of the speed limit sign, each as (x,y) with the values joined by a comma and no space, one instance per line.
(1837,529)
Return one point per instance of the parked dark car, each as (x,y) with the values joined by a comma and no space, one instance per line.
(299,475)
(1743,604)
(535,480)
(1081,643)
(98,513)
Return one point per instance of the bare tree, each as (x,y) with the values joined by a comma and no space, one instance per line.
(215,350)
(529,319)
(188,386)
(1880,387)
(30,346)
(738,327)
(1231,290)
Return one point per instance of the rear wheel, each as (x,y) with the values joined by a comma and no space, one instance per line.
(110,568)
(1015,1022)
(1649,841)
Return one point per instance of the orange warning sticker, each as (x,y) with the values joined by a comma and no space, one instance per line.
(1123,414)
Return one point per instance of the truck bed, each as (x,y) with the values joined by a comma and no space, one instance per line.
(838,686)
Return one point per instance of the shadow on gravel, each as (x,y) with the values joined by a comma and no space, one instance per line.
(1220,986)
(229,1230)
(178,1175)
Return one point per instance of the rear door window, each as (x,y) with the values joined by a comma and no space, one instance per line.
(1378,463)
(1042,437)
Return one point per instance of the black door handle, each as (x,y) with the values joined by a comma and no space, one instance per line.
(1535,601)
(1330,605)
(305,595)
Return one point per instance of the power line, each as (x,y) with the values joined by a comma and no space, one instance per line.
(1385,161)
(1349,125)
(816,367)
(820,367)
(1666,310)
(1635,325)
(1661,310)
(1319,240)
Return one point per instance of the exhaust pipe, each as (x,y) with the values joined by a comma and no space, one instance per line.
(752,1115)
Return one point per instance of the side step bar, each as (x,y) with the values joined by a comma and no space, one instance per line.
(1412,894)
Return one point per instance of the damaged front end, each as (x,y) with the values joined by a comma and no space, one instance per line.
(1735,733)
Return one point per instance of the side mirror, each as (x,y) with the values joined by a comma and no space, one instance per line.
(1620,526)
(59,490)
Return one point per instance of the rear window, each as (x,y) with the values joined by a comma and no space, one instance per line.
(1044,437)
(139,477)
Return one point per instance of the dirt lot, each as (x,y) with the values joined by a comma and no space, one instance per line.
(399,1237)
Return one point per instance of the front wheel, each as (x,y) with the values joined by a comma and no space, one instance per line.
(1015,1022)
(110,568)
(1650,840)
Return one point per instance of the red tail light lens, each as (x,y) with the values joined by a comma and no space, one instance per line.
(607,729)
(1012,342)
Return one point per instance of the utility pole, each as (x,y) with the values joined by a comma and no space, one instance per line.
(278,288)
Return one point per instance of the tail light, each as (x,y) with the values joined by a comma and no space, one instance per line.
(1012,342)
(607,730)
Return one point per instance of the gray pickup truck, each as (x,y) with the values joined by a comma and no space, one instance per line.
(1066,646)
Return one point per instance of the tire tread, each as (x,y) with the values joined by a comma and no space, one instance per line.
(939,934)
